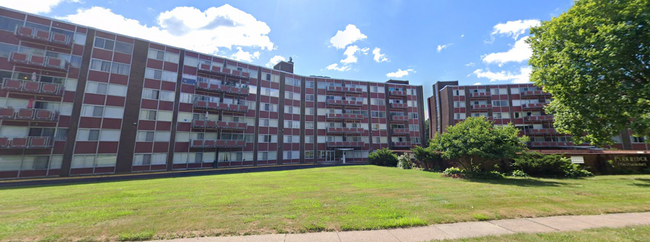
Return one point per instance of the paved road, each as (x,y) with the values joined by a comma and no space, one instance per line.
(450,231)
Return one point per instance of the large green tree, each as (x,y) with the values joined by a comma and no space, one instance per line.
(475,141)
(595,61)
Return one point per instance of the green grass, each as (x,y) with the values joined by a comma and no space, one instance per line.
(319,199)
(634,233)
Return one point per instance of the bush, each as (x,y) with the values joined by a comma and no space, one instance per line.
(404,162)
(541,165)
(484,175)
(519,173)
(383,157)
(453,172)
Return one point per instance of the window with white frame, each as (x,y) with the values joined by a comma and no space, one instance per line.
(92,111)
(121,68)
(145,136)
(460,116)
(88,135)
(100,65)
(96,87)
(103,43)
(638,139)
(153,73)
(156,54)
(113,112)
(148,115)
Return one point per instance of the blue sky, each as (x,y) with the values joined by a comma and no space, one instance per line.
(469,41)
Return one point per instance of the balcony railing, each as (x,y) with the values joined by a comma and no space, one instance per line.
(344,89)
(346,144)
(400,131)
(399,118)
(539,118)
(345,116)
(29,114)
(27,86)
(221,88)
(534,93)
(39,61)
(398,105)
(479,94)
(344,103)
(34,142)
(221,71)
(402,144)
(213,124)
(44,36)
(541,131)
(217,143)
(333,130)
(397,93)
(533,105)
(481,106)
(539,144)
(220,106)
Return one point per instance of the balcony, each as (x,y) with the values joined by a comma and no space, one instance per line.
(34,142)
(397,93)
(26,86)
(481,106)
(29,114)
(43,36)
(346,144)
(213,124)
(345,116)
(479,94)
(38,61)
(344,89)
(221,88)
(217,143)
(400,131)
(402,144)
(223,71)
(220,106)
(546,144)
(398,105)
(332,130)
(540,118)
(541,131)
(533,105)
(399,118)
(534,93)
(344,103)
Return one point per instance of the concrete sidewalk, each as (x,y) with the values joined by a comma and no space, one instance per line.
(451,231)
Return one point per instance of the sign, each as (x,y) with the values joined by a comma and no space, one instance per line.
(631,161)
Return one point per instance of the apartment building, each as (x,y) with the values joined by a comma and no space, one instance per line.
(519,104)
(76,101)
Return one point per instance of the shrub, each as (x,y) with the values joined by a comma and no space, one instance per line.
(484,175)
(541,165)
(383,157)
(453,172)
(519,173)
(428,158)
(404,162)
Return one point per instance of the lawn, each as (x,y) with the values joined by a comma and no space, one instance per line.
(331,198)
(634,233)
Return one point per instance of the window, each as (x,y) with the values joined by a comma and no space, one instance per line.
(150,94)
(147,115)
(119,68)
(309,154)
(500,103)
(309,125)
(267,76)
(309,97)
(288,139)
(459,104)
(79,39)
(5,49)
(460,116)
(413,115)
(9,24)
(156,54)
(288,109)
(122,47)
(414,127)
(309,84)
(104,43)
(309,139)
(100,65)
(638,139)
(153,74)
(172,57)
(145,136)
(96,87)
(88,135)
(113,112)
(266,138)
(264,122)
(61,134)
(264,156)
(92,111)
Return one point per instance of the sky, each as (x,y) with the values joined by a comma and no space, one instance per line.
(472,41)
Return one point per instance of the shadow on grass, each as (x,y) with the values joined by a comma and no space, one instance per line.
(643,182)
(78,180)
(522,182)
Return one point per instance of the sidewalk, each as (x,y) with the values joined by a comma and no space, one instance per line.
(451,231)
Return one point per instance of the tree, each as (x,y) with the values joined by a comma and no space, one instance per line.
(383,157)
(426,132)
(429,158)
(595,61)
(475,141)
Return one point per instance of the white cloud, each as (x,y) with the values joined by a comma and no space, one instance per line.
(349,52)
(470,64)
(186,27)
(32,6)
(400,73)
(337,68)
(379,57)
(476,84)
(442,47)
(515,28)
(350,35)
(462,35)
(245,55)
(275,60)
(365,50)
(522,77)
(519,52)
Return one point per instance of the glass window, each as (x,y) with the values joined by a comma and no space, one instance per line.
(119,68)
(9,24)
(93,135)
(122,47)
(79,39)
(5,49)
(104,43)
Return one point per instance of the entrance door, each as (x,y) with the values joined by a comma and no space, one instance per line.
(329,156)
